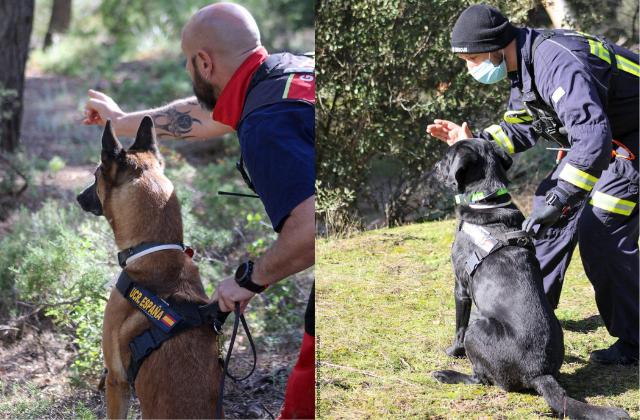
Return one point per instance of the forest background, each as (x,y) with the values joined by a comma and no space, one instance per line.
(55,259)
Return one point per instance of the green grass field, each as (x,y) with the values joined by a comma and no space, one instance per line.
(385,312)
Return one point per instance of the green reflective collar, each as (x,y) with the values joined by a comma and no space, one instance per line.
(479,196)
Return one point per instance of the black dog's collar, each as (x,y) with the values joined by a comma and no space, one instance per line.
(144,249)
(479,197)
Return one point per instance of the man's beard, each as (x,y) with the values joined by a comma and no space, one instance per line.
(206,93)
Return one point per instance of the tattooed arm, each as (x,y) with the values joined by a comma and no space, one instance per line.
(182,119)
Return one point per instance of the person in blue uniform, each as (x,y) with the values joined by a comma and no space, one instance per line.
(581,92)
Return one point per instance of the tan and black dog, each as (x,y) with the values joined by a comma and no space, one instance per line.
(180,379)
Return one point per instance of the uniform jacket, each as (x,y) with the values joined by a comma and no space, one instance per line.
(572,77)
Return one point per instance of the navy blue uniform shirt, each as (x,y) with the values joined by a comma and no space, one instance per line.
(278,146)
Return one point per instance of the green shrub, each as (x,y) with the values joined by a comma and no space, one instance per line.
(55,259)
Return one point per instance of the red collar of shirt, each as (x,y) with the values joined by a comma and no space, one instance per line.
(228,109)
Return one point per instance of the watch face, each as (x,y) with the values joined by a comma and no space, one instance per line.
(242,271)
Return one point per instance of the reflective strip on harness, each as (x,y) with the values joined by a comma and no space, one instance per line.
(623,64)
(500,137)
(515,117)
(612,204)
(578,178)
(480,237)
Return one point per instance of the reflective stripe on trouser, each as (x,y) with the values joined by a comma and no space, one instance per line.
(300,396)
(608,247)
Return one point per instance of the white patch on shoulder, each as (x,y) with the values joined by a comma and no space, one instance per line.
(559,93)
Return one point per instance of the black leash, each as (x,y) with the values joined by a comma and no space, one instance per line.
(226,362)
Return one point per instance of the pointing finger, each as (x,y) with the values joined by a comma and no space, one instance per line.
(97,95)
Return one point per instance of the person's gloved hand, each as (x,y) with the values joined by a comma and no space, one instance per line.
(544,216)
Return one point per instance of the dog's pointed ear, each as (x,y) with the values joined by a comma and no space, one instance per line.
(146,137)
(111,147)
(463,159)
(505,159)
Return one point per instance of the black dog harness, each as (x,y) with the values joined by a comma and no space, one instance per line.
(489,241)
(171,318)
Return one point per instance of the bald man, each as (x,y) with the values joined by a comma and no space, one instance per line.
(270,101)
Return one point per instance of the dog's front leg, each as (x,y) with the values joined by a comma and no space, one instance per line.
(463,310)
(118,397)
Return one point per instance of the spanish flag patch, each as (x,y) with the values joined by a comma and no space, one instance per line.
(168,321)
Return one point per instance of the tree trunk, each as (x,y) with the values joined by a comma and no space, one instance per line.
(60,20)
(559,13)
(16,20)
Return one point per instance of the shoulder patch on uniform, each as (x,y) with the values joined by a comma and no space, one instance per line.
(559,93)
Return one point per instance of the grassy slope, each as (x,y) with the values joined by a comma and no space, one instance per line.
(385,307)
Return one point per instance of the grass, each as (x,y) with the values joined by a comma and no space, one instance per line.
(385,312)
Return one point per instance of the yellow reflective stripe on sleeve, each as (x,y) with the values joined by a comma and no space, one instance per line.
(500,137)
(612,204)
(577,177)
(622,63)
(515,117)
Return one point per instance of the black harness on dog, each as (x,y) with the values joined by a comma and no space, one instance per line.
(489,241)
(171,318)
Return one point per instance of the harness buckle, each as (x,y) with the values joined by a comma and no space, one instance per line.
(472,263)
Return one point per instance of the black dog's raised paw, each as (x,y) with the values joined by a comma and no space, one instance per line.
(455,351)
(453,377)
(442,376)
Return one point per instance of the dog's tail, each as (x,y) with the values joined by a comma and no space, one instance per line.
(565,406)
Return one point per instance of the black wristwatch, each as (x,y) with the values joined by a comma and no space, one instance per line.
(554,200)
(243,278)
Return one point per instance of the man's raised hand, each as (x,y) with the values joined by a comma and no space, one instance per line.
(448,131)
(100,108)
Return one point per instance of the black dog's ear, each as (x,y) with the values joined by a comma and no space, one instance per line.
(111,147)
(463,158)
(505,159)
(146,137)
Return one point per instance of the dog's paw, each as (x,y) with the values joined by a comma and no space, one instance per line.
(455,351)
(445,376)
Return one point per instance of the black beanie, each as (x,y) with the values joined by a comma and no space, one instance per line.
(481,28)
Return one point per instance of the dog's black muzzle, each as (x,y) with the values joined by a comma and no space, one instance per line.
(88,200)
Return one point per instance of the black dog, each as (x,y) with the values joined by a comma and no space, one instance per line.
(516,342)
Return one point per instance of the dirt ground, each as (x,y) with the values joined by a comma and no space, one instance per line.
(35,356)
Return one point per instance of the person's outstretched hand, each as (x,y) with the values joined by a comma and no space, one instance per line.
(448,131)
(100,108)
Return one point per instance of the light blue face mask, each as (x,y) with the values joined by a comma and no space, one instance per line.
(487,73)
